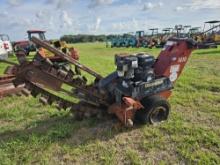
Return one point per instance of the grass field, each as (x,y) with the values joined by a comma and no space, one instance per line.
(34,134)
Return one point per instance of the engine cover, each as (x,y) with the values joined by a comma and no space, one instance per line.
(134,77)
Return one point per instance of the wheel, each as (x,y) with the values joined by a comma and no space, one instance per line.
(156,109)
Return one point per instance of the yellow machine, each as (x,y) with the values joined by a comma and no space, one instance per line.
(212,35)
(61,45)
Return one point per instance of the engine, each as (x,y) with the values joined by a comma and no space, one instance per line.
(135,68)
(134,77)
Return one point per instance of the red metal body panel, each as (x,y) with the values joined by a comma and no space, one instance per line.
(166,94)
(126,111)
(172,59)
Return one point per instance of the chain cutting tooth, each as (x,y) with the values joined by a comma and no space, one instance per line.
(26,92)
(50,100)
(43,100)
(62,74)
(18,94)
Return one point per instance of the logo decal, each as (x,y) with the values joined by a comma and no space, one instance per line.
(174,69)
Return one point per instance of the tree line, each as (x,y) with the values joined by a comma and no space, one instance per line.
(79,38)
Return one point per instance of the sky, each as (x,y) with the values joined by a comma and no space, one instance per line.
(59,17)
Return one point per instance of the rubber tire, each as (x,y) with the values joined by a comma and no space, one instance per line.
(144,116)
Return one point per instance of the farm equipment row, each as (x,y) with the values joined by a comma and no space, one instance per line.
(206,38)
(140,39)
(137,91)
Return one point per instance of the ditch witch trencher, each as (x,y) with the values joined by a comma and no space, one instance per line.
(136,92)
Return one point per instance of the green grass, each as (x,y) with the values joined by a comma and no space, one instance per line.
(34,134)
